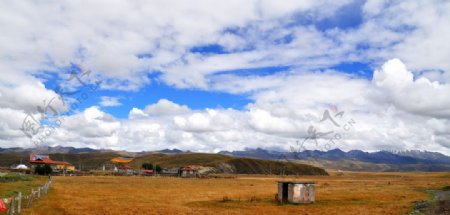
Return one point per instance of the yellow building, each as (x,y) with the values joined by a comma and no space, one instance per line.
(65,167)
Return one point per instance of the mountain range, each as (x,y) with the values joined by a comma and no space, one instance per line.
(355,160)
(380,157)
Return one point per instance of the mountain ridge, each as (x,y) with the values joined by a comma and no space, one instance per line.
(407,157)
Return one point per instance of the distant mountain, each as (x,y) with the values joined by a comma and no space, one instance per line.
(425,155)
(337,159)
(171,151)
(422,158)
(73,150)
(49,150)
(255,153)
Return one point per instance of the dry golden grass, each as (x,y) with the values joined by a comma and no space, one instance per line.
(8,189)
(353,193)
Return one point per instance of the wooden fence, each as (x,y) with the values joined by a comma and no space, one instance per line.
(19,202)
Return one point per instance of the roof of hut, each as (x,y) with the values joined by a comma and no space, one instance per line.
(125,167)
(45,159)
(297,182)
(121,160)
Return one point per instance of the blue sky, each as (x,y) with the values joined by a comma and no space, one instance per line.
(196,99)
(211,76)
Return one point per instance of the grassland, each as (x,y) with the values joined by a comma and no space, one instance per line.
(12,183)
(351,193)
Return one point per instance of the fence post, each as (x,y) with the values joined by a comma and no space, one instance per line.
(11,206)
(30,200)
(35,194)
(19,202)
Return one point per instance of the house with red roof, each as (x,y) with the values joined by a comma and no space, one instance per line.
(188,172)
(57,166)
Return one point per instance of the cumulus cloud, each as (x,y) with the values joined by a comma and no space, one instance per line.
(420,96)
(128,42)
(117,46)
(164,106)
(107,101)
(278,118)
(211,120)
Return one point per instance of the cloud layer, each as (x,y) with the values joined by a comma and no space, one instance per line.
(374,115)
(206,45)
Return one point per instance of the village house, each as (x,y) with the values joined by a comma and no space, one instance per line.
(121,165)
(169,172)
(125,169)
(148,172)
(187,172)
(57,166)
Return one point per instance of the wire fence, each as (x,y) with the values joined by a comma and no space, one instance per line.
(18,202)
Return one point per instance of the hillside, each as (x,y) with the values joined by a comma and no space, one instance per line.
(8,159)
(216,162)
(85,160)
(351,165)
(228,164)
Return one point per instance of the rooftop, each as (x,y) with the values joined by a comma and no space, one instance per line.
(297,182)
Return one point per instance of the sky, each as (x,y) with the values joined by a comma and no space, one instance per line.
(209,76)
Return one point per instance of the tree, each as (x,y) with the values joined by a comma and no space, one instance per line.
(148,166)
(158,168)
(43,170)
(47,169)
(38,170)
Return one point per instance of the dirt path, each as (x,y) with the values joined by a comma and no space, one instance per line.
(440,204)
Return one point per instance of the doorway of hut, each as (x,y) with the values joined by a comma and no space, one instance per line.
(284,192)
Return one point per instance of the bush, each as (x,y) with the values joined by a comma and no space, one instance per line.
(158,168)
(14,177)
(148,166)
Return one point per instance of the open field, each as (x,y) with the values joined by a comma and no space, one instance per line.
(352,193)
(24,184)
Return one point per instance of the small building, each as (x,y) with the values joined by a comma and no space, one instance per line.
(125,169)
(187,172)
(57,166)
(147,172)
(19,167)
(120,165)
(169,172)
(296,192)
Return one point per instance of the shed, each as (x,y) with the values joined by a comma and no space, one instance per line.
(125,169)
(296,192)
(187,172)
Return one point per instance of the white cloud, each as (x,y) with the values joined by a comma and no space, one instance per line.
(419,96)
(107,101)
(123,44)
(165,107)
(41,36)
(278,118)
(210,120)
